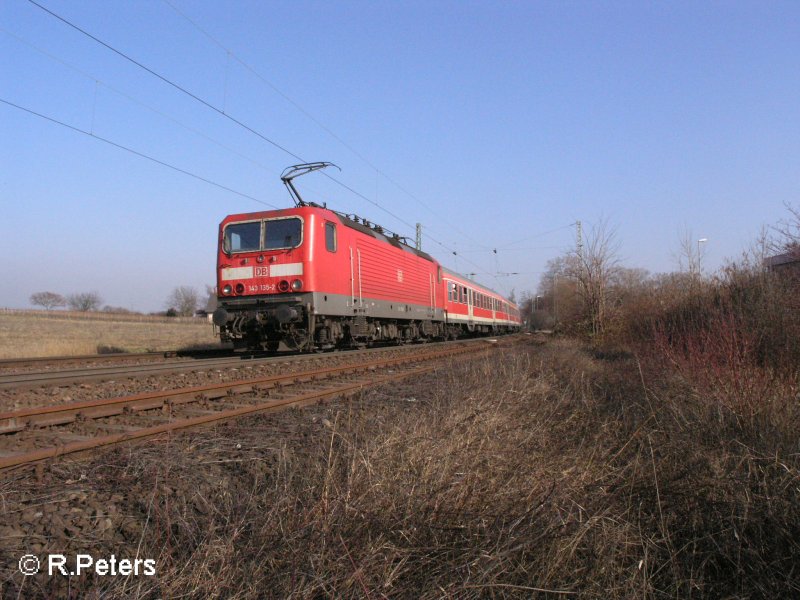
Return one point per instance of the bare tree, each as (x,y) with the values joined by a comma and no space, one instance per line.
(690,252)
(84,301)
(211,298)
(48,300)
(557,293)
(183,300)
(596,264)
(788,231)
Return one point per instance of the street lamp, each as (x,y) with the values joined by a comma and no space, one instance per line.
(699,256)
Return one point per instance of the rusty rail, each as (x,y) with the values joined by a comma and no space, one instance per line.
(60,414)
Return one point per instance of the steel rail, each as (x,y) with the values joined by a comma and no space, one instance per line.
(15,460)
(60,414)
(273,405)
(36,360)
(112,357)
(29,379)
(38,378)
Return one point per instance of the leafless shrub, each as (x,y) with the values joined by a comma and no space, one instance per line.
(118,310)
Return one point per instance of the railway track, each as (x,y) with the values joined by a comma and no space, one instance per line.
(56,361)
(65,377)
(36,434)
(83,374)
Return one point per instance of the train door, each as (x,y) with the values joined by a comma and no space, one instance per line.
(470,309)
(356,296)
(432,297)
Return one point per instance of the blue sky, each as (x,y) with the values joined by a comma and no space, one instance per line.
(501,121)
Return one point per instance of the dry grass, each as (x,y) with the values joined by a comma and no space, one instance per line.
(536,473)
(57,333)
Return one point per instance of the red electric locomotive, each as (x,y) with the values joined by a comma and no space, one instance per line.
(317,279)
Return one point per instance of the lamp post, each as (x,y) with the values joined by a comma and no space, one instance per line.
(699,256)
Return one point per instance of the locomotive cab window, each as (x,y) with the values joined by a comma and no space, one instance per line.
(282,233)
(330,237)
(242,237)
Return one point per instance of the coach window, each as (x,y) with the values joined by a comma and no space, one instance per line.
(282,233)
(330,237)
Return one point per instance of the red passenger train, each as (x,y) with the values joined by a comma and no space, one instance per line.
(317,279)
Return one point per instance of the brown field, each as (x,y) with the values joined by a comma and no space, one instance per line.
(57,333)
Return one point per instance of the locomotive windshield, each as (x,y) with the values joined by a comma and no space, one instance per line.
(282,233)
(278,234)
(243,237)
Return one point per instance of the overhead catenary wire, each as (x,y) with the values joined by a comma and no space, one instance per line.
(225,115)
(207,104)
(499,250)
(220,111)
(231,54)
(136,152)
(169,82)
(536,235)
(136,101)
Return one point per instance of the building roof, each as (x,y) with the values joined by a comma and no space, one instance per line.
(781,260)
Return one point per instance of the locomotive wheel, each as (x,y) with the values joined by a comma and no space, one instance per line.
(297,340)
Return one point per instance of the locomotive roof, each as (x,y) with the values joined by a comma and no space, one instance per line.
(394,241)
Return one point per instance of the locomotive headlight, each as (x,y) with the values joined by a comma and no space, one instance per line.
(283,286)
(297,284)
(240,288)
(227,289)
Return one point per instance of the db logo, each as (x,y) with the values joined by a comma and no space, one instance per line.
(29,565)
